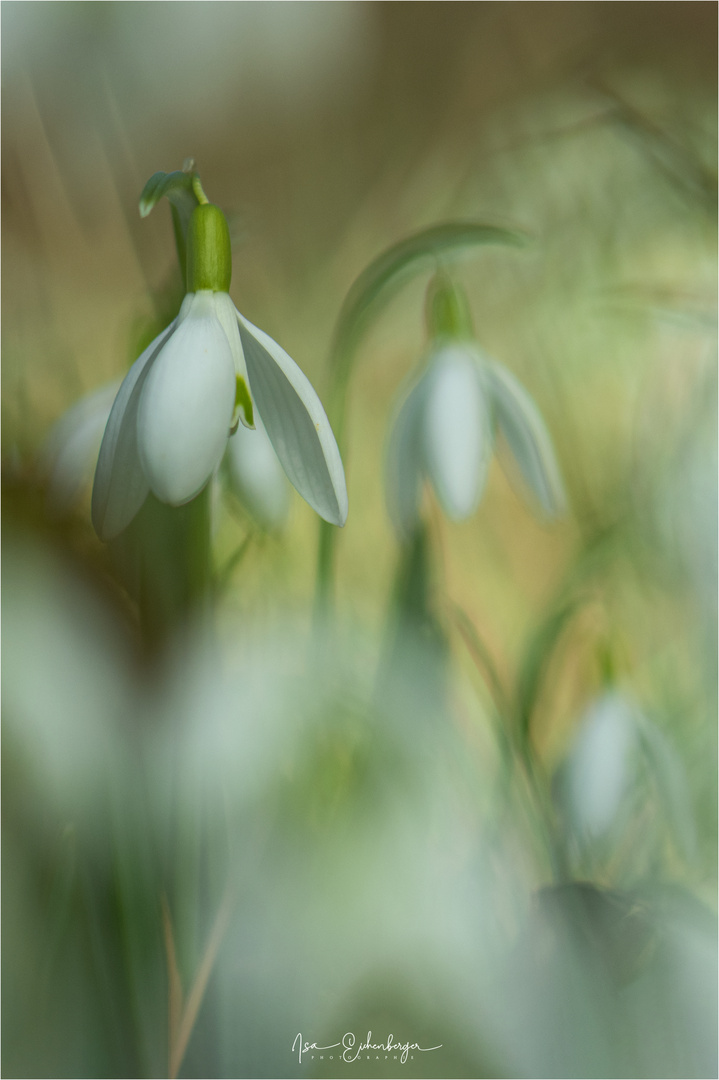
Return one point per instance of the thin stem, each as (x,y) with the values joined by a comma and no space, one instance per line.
(336,411)
(516,747)
(180,243)
(324,588)
(184,1023)
(169,548)
(174,982)
(482,657)
(199,191)
(545,813)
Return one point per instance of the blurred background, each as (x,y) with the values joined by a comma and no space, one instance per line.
(368,846)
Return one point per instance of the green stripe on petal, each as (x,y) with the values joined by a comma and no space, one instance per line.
(243,402)
(257,477)
(227,314)
(296,424)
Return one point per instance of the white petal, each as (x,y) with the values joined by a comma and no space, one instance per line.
(522,426)
(405,460)
(598,769)
(185,408)
(456,430)
(227,314)
(257,476)
(296,424)
(120,486)
(69,454)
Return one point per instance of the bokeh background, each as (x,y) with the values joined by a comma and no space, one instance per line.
(381,865)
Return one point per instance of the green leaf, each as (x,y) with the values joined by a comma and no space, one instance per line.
(536,661)
(672,787)
(484,661)
(397,265)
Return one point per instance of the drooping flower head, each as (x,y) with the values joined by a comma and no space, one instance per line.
(446,428)
(209,371)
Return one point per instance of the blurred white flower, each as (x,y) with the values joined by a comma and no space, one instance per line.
(171,420)
(444,432)
(69,454)
(255,475)
(601,764)
(65,668)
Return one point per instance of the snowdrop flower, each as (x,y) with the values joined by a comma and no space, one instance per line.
(445,430)
(598,770)
(618,759)
(207,372)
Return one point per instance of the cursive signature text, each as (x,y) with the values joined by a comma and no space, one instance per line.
(304,1047)
(351,1050)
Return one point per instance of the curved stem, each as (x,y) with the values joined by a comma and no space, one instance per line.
(516,750)
(199,190)
(380,280)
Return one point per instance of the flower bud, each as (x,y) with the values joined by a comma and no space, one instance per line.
(209,259)
(447,310)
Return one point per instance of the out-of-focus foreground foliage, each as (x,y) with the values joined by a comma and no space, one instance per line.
(476,806)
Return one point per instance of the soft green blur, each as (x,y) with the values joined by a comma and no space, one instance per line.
(476,805)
